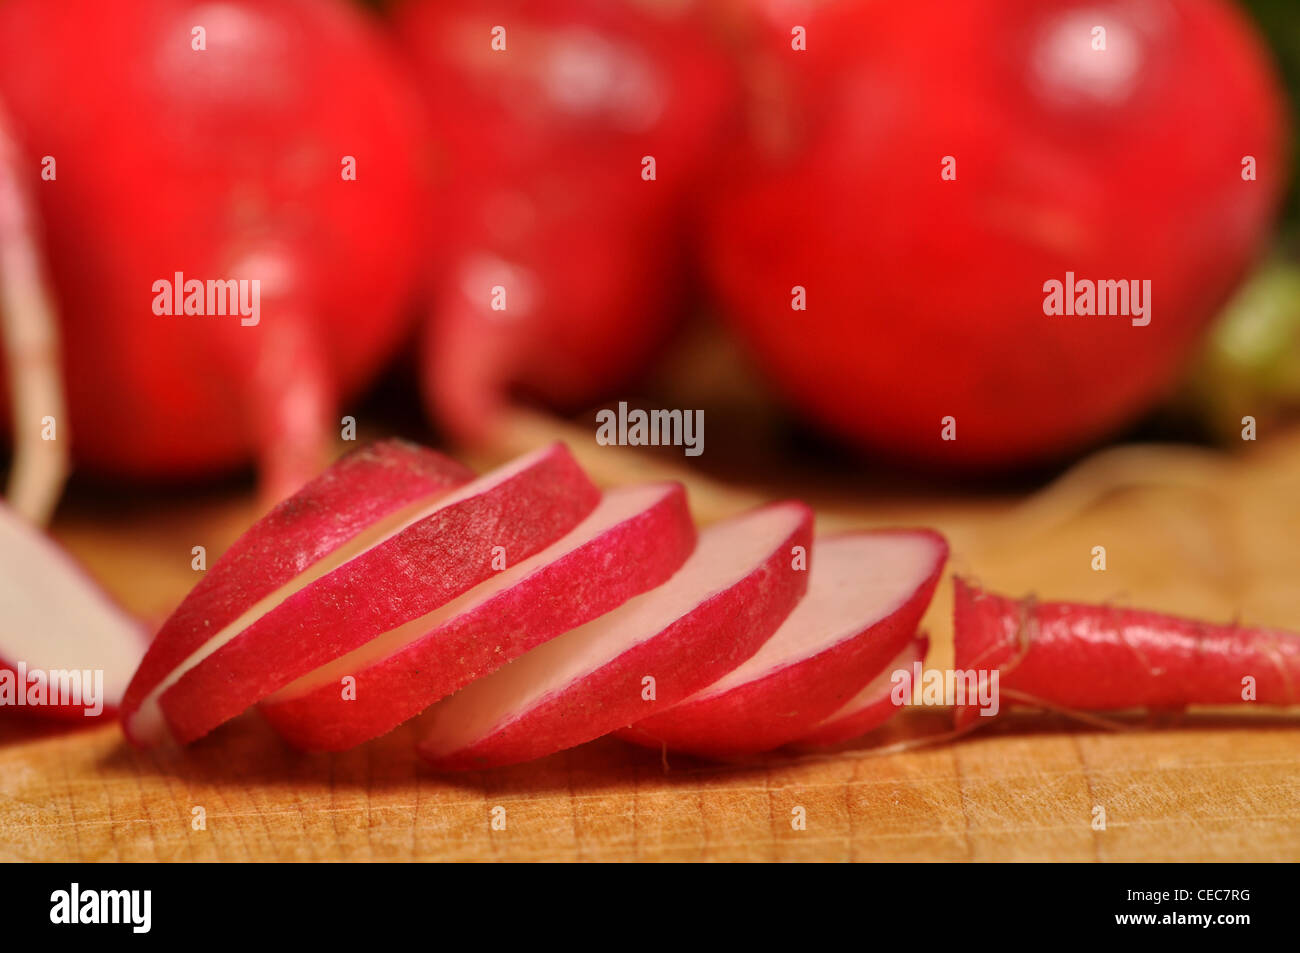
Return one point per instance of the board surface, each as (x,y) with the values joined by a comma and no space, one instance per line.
(1186,531)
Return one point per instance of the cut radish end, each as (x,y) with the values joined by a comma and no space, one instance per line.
(735,590)
(402,565)
(866,596)
(1079,657)
(635,539)
(58,630)
(871,707)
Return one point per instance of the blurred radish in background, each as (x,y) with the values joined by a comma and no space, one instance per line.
(214,140)
(922,175)
(574,136)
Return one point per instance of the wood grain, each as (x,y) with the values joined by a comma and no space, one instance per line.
(1185,531)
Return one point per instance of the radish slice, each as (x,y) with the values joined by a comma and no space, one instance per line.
(633,541)
(866,596)
(201,672)
(871,707)
(721,606)
(58,628)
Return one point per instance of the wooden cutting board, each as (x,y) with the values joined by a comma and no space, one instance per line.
(1184,530)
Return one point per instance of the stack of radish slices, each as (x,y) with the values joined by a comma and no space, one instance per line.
(530,613)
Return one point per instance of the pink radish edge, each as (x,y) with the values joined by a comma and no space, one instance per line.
(871,707)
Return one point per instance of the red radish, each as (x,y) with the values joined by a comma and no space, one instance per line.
(866,595)
(225,162)
(545,113)
(200,672)
(1097,658)
(633,541)
(653,651)
(58,631)
(925,296)
(869,708)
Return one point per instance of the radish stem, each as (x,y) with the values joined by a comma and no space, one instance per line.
(291,389)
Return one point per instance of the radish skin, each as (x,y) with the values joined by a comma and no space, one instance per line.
(1100,658)
(633,541)
(718,610)
(866,596)
(399,568)
(871,707)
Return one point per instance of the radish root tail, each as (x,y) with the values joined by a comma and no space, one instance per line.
(293,392)
(31,343)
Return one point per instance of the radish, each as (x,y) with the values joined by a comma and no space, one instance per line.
(1079,657)
(58,631)
(167,138)
(735,590)
(632,541)
(871,707)
(866,595)
(922,183)
(207,666)
(545,113)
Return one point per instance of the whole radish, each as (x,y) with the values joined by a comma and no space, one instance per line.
(574,134)
(887,240)
(269,144)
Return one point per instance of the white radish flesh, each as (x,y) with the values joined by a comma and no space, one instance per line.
(54,619)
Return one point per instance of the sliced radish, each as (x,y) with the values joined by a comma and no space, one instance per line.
(206,667)
(866,596)
(635,539)
(386,480)
(59,630)
(740,583)
(869,708)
